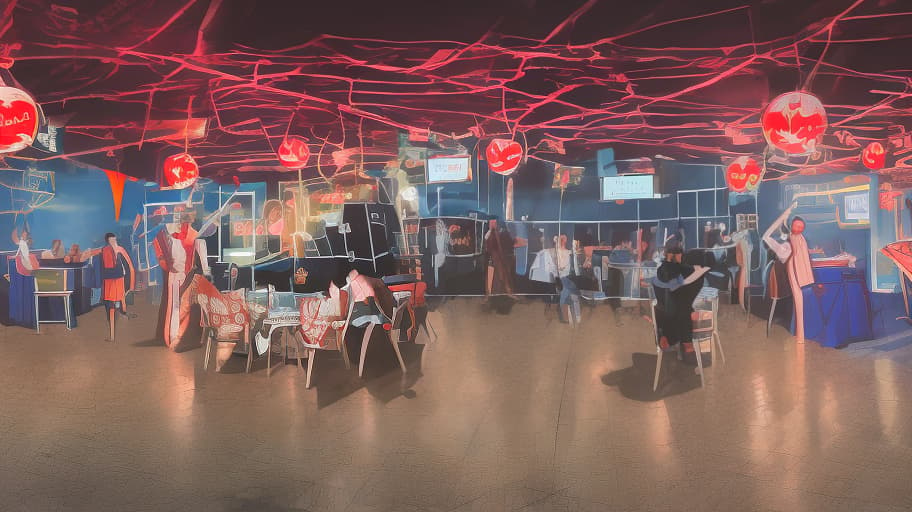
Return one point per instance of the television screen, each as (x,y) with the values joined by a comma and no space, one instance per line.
(449,169)
(856,207)
(629,186)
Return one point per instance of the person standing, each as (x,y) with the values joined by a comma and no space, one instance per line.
(498,247)
(794,253)
(118,277)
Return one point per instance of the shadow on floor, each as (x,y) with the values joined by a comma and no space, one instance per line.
(635,382)
(383,378)
(154,342)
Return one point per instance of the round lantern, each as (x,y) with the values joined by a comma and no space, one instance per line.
(794,122)
(293,153)
(504,156)
(18,120)
(181,171)
(874,156)
(743,174)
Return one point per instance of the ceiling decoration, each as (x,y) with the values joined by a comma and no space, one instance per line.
(136,81)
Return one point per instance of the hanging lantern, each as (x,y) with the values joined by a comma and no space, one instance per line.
(293,153)
(794,122)
(743,174)
(504,156)
(18,120)
(181,171)
(874,156)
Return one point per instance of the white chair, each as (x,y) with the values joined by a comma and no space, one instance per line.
(705,328)
(657,340)
(225,331)
(336,335)
(52,283)
(394,325)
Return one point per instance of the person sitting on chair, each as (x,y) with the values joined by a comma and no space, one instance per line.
(676,286)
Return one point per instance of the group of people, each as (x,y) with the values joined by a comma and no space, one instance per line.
(117,272)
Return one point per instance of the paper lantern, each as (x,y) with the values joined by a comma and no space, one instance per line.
(181,171)
(743,174)
(504,156)
(794,122)
(18,120)
(874,156)
(293,153)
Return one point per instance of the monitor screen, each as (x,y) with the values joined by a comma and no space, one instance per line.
(449,169)
(629,186)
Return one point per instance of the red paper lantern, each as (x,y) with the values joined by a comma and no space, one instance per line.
(874,156)
(293,153)
(794,122)
(18,120)
(181,171)
(743,174)
(504,156)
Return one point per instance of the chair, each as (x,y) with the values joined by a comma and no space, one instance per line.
(654,314)
(224,316)
(338,327)
(705,328)
(415,293)
(372,315)
(52,283)
(777,288)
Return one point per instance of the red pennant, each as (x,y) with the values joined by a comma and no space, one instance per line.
(117,181)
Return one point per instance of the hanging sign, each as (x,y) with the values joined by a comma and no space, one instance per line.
(18,120)
(181,171)
(794,123)
(504,156)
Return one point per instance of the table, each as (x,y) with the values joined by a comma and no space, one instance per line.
(279,310)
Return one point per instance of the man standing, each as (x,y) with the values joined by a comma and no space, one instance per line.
(117,268)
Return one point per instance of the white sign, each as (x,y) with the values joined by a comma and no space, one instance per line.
(856,207)
(630,186)
(449,169)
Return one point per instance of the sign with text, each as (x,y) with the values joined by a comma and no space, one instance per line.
(449,169)
(630,186)
(857,207)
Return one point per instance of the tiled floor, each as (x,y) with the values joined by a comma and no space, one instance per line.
(503,412)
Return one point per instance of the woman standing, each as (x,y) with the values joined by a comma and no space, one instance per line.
(498,248)
(118,277)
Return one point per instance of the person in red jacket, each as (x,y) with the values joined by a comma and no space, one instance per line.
(118,277)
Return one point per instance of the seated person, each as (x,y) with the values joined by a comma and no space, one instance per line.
(676,286)
(56,251)
(74,256)
(360,287)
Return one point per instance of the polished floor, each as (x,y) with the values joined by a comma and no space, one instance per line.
(504,412)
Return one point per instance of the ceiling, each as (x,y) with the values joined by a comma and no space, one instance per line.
(686,80)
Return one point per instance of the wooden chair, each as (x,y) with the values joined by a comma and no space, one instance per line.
(220,329)
(654,314)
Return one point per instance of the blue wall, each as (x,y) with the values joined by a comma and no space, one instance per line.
(81,212)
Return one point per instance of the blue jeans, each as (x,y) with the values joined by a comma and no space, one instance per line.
(570,295)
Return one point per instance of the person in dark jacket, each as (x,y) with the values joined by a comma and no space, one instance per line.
(676,286)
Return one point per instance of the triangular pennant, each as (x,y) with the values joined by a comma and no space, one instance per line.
(117,181)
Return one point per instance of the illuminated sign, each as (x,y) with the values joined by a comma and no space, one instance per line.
(630,186)
(449,169)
